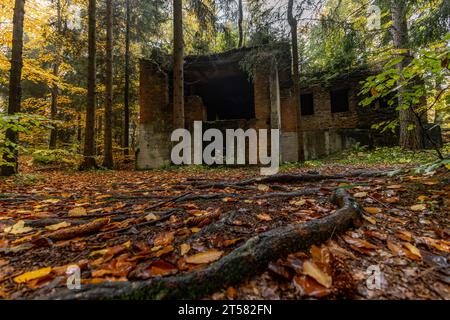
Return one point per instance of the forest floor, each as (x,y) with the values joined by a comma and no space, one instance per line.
(125,226)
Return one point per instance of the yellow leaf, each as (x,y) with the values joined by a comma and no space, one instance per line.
(195,229)
(422,198)
(372,210)
(98,252)
(264,217)
(312,270)
(51,201)
(360,194)
(298,203)
(36,274)
(151,217)
(77,212)
(58,226)
(395,186)
(370,219)
(18,228)
(263,187)
(204,257)
(418,207)
(413,249)
(184,249)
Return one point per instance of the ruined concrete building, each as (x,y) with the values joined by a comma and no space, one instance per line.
(221,94)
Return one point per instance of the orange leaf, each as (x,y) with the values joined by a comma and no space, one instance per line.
(204,257)
(372,210)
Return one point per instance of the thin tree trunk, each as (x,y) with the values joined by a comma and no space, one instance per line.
(178,61)
(15,90)
(89,136)
(240,20)
(296,74)
(107,136)
(410,130)
(55,90)
(126,117)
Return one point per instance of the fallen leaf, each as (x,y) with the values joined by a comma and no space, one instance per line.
(77,212)
(321,255)
(263,187)
(58,226)
(395,249)
(204,257)
(418,207)
(151,217)
(164,251)
(197,212)
(164,238)
(413,249)
(230,242)
(309,287)
(18,228)
(404,235)
(360,243)
(422,198)
(162,268)
(298,202)
(312,270)
(185,248)
(372,210)
(392,200)
(360,195)
(370,219)
(231,293)
(36,274)
(264,217)
(51,201)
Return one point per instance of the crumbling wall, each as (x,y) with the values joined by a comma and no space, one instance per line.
(155,122)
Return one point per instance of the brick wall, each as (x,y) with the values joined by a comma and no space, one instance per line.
(357,116)
(155,121)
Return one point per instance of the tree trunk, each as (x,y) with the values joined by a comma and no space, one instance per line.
(240,20)
(55,90)
(410,130)
(107,136)
(126,116)
(15,90)
(296,74)
(178,61)
(89,135)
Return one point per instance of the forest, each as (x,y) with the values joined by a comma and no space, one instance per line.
(225,149)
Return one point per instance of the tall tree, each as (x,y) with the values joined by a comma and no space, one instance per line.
(178,62)
(126,116)
(295,70)
(89,136)
(54,90)
(240,21)
(107,137)
(15,90)
(410,129)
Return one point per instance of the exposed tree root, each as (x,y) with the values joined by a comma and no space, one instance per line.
(240,264)
(288,178)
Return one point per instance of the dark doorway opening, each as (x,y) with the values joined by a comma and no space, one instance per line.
(227,98)
(339,101)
